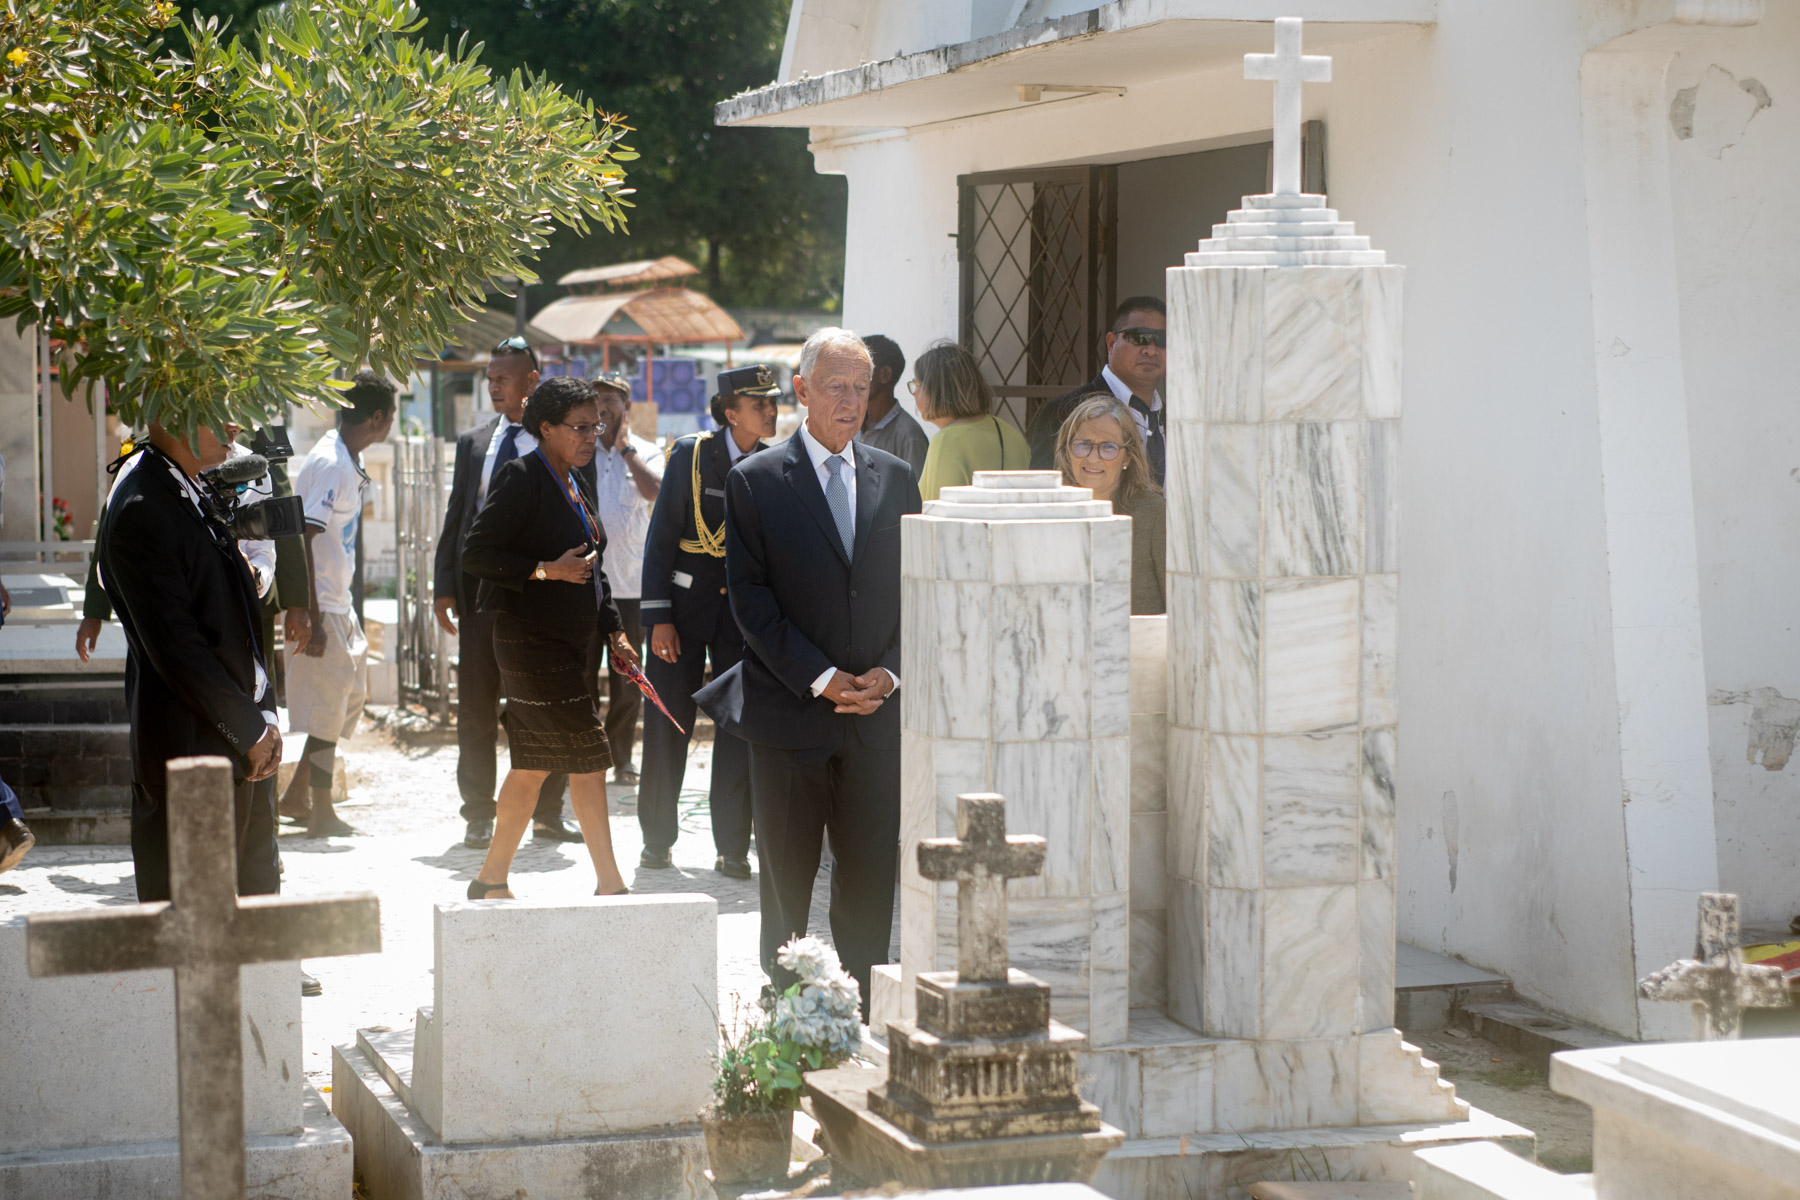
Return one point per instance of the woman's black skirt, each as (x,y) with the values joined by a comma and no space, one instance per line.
(550,679)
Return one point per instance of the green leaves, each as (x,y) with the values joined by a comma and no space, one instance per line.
(216,231)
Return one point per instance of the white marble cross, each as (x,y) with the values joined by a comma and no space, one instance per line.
(205,934)
(981,858)
(1289,69)
(1716,981)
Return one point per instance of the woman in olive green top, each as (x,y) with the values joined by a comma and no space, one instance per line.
(952,395)
(1099,447)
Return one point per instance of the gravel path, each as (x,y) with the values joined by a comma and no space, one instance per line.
(403,798)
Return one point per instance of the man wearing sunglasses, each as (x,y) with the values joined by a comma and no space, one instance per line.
(512,372)
(1135,365)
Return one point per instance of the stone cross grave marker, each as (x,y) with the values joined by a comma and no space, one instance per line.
(205,934)
(1716,981)
(1289,69)
(981,858)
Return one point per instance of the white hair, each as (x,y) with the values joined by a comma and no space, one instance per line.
(829,338)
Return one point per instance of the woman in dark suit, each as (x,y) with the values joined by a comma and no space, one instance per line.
(536,548)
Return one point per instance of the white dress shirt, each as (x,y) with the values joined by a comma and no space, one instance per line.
(624,513)
(1124,395)
(525,444)
(815,450)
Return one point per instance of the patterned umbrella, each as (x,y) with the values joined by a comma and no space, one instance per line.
(636,675)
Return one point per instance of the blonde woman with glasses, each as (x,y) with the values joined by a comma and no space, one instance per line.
(1099,447)
(952,395)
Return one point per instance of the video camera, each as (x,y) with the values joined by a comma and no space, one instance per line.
(226,483)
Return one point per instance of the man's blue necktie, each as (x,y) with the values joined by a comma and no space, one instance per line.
(837,496)
(509,446)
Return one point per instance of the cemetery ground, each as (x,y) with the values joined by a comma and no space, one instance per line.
(402,796)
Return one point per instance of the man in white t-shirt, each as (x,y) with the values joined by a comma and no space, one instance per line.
(627,476)
(328,679)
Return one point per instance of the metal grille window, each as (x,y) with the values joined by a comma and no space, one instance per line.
(1036,250)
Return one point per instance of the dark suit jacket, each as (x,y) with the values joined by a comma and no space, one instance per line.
(801,605)
(449,577)
(191,618)
(1049,422)
(527,520)
(697,608)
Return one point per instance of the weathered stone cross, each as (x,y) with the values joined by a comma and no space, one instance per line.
(1716,981)
(205,934)
(981,858)
(1289,69)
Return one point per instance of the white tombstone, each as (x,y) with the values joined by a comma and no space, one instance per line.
(88,1103)
(1671,1122)
(564,1042)
(1016,601)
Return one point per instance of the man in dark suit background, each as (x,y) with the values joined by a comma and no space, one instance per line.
(512,372)
(1134,370)
(812,558)
(689,616)
(196,677)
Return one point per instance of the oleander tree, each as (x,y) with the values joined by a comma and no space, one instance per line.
(213,230)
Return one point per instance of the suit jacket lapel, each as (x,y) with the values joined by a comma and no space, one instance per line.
(804,479)
(868,494)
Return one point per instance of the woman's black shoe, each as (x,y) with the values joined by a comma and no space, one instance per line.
(479,890)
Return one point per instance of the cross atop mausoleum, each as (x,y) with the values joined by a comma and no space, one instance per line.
(981,858)
(1716,981)
(205,935)
(1289,69)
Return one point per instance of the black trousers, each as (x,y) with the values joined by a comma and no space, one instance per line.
(259,867)
(478,721)
(852,796)
(666,749)
(623,700)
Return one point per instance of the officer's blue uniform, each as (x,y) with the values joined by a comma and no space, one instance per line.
(686,587)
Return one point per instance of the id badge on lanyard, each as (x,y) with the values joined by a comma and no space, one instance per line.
(572,497)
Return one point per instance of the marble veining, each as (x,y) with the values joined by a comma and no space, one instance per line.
(1234,501)
(1109,834)
(959,654)
(1375,919)
(1234,981)
(1312,665)
(1378,762)
(1231,366)
(1312,499)
(1310,962)
(1310,802)
(1041,551)
(918,547)
(1312,360)
(917,645)
(1186,849)
(1111,552)
(1176,1086)
(1184,531)
(1109,1079)
(1109,708)
(1187,698)
(1187,979)
(1041,668)
(1049,791)
(1285,1085)
(1149,762)
(1149,957)
(1381,504)
(1150,664)
(1233,813)
(962,549)
(1149,861)
(1380,649)
(1233,650)
(1382,318)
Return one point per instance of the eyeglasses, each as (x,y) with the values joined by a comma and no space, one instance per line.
(514,345)
(912,387)
(1137,335)
(1083,448)
(584,431)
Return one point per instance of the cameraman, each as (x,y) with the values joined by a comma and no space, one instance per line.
(195,675)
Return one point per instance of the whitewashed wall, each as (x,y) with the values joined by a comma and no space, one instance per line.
(1458,150)
(1734,176)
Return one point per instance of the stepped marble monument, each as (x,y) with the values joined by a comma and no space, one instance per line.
(1216,785)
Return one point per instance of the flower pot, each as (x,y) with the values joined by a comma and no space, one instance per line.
(749,1149)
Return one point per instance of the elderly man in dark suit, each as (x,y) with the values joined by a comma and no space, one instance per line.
(196,673)
(512,372)
(812,561)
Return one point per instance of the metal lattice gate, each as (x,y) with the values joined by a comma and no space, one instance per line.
(1037,251)
(420,491)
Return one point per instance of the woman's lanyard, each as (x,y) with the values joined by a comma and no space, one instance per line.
(572,497)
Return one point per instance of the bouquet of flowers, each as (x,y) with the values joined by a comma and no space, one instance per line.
(62,520)
(811,1026)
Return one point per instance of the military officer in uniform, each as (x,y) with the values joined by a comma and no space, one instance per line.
(689,617)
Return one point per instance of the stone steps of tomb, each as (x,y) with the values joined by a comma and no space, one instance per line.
(41,703)
(73,779)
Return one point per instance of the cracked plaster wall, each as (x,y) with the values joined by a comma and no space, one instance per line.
(1734,129)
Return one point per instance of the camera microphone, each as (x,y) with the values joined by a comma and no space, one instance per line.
(239,471)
